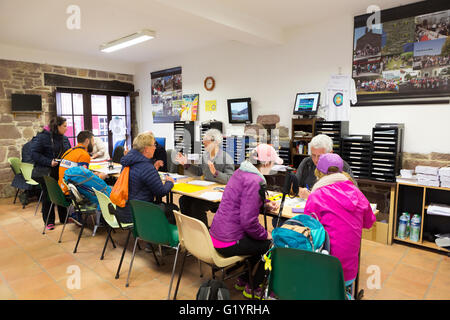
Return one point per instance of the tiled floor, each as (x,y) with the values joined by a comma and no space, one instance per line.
(36,266)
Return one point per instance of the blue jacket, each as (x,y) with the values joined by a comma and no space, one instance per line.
(47,147)
(144,182)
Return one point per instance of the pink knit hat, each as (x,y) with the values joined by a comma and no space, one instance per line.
(267,153)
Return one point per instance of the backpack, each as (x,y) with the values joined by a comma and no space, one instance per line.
(213,290)
(85,180)
(302,232)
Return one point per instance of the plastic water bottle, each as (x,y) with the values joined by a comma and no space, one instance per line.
(415,228)
(402,226)
(408,225)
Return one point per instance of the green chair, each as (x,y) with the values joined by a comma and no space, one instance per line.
(15,166)
(151,225)
(304,275)
(27,169)
(56,197)
(110,219)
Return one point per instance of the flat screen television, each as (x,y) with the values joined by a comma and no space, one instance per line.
(161,141)
(306,103)
(26,102)
(240,110)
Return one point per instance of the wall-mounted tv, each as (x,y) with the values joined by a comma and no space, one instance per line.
(26,102)
(306,103)
(240,110)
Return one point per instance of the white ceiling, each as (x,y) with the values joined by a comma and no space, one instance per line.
(180,25)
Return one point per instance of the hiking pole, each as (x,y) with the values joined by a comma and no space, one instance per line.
(290,182)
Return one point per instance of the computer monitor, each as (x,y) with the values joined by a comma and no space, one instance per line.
(306,103)
(161,141)
(240,110)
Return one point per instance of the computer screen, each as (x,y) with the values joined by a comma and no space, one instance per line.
(306,103)
(161,141)
(240,110)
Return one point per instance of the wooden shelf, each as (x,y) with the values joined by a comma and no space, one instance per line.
(424,243)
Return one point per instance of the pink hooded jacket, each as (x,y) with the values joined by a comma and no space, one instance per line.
(343,211)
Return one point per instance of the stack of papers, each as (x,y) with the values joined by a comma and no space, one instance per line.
(201,183)
(439,209)
(428,176)
(444,174)
(212,195)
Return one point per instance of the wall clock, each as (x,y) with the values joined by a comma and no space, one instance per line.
(209,83)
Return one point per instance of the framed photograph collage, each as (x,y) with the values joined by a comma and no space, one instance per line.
(405,57)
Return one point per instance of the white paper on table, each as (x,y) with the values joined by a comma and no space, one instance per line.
(212,195)
(201,183)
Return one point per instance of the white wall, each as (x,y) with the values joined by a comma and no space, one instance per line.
(9,52)
(272,76)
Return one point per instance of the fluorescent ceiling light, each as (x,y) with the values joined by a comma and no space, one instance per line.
(127,41)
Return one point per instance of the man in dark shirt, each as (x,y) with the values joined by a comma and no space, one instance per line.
(320,144)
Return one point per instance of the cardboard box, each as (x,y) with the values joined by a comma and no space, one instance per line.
(379,230)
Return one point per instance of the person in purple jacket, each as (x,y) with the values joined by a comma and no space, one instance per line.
(343,211)
(235,229)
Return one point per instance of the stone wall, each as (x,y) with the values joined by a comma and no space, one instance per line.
(434,159)
(28,78)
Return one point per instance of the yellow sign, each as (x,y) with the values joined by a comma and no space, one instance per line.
(210,105)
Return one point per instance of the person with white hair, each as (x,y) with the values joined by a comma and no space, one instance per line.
(320,144)
(216,166)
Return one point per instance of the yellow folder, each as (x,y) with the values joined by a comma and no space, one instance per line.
(187,188)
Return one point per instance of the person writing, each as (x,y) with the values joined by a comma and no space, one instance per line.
(216,166)
(99,149)
(320,144)
(144,181)
(343,211)
(235,229)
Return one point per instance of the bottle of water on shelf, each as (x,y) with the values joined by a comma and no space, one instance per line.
(415,228)
(408,224)
(402,226)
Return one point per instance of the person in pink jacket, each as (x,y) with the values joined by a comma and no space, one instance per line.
(343,211)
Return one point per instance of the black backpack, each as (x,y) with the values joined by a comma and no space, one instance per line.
(213,290)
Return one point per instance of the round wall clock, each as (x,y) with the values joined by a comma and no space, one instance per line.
(209,83)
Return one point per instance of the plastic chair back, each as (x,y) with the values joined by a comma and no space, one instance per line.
(150,224)
(55,193)
(27,169)
(304,275)
(15,164)
(103,201)
(196,239)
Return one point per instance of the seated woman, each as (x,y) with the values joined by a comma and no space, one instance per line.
(144,181)
(343,211)
(235,229)
(217,166)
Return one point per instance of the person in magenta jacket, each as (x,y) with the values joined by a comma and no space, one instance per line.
(343,211)
(235,229)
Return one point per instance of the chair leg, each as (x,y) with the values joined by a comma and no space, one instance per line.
(112,240)
(37,206)
(123,254)
(131,262)
(173,271)
(80,234)
(179,275)
(106,242)
(46,220)
(15,198)
(64,226)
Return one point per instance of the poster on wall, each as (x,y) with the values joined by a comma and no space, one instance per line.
(167,95)
(189,107)
(405,57)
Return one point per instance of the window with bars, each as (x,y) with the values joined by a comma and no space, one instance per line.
(93,110)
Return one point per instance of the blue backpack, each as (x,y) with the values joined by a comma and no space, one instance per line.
(302,232)
(85,180)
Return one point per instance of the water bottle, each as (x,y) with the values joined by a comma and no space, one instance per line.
(415,228)
(408,225)
(402,226)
